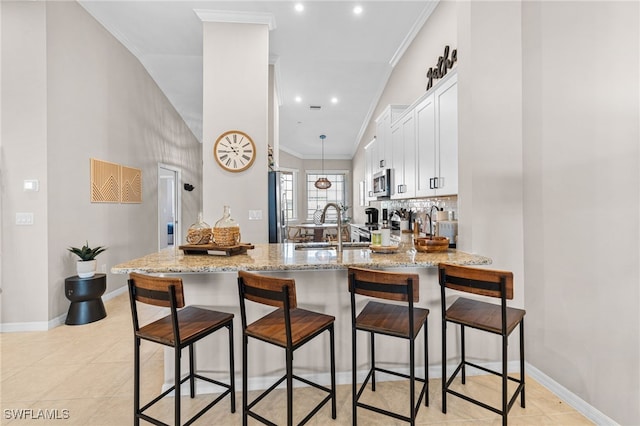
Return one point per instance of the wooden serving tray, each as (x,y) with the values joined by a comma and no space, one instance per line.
(240,248)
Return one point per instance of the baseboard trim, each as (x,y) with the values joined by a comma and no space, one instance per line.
(579,404)
(17,327)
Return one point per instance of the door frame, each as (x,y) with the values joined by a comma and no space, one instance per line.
(177,173)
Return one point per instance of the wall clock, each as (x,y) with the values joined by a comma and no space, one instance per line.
(234,151)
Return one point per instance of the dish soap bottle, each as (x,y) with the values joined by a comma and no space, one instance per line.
(199,232)
(226,231)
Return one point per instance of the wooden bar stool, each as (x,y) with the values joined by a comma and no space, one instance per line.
(288,327)
(403,321)
(489,317)
(180,329)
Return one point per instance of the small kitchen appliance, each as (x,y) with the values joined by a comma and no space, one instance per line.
(372,215)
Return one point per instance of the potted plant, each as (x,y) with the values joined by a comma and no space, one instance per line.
(86,266)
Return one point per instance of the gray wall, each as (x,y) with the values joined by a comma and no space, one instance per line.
(581,146)
(73,93)
(549,161)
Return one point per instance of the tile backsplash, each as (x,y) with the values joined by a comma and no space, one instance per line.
(449,203)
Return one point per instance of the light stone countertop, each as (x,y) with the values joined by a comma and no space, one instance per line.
(284,257)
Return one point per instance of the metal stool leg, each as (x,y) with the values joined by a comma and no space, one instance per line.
(136,383)
(176,390)
(505,341)
(232,379)
(444,366)
(522,363)
(289,387)
(245,373)
(333,373)
(426,364)
(464,358)
(373,362)
(192,370)
(354,400)
(412,380)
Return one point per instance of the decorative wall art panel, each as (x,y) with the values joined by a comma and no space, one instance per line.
(105,182)
(131,185)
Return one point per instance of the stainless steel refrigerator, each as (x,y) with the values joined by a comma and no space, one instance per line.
(277,213)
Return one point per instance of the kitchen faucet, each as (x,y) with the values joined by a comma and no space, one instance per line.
(322,218)
(430,216)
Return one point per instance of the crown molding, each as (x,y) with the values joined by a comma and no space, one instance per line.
(237,17)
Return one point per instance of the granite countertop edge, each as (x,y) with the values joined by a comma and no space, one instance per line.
(283,257)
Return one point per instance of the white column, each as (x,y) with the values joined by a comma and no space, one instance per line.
(236,97)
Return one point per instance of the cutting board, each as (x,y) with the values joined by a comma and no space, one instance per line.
(240,248)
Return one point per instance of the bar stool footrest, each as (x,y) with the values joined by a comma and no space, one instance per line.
(275,385)
(385,412)
(480,403)
(177,394)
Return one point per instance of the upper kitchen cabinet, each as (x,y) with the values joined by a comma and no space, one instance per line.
(383,152)
(370,167)
(437,140)
(403,137)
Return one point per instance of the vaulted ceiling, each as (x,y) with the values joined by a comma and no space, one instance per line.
(323,52)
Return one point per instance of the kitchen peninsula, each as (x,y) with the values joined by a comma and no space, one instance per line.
(321,284)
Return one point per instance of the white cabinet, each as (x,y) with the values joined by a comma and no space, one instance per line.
(370,157)
(403,137)
(383,146)
(437,141)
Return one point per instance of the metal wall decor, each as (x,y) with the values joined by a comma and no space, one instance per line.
(444,64)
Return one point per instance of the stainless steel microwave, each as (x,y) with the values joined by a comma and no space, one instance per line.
(382,183)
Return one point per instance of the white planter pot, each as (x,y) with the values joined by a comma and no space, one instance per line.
(86,268)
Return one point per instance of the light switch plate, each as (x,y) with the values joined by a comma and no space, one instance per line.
(31,185)
(24,218)
(255,214)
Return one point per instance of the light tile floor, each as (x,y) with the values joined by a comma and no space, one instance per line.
(84,376)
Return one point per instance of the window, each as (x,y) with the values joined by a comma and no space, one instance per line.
(287,186)
(318,198)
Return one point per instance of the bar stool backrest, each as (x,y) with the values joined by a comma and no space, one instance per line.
(485,282)
(155,290)
(268,290)
(384,285)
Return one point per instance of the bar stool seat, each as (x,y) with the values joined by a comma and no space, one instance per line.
(304,325)
(390,319)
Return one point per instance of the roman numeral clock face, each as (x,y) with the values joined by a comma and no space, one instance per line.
(234,151)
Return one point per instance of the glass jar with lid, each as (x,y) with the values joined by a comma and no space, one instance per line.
(226,231)
(200,232)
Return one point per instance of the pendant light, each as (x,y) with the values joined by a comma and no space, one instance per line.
(323,182)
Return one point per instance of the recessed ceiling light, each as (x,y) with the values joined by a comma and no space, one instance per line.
(357,10)
(334,100)
(298,99)
(299,7)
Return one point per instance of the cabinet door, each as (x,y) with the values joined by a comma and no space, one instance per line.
(447,130)
(425,147)
(383,124)
(403,136)
(397,168)
(369,154)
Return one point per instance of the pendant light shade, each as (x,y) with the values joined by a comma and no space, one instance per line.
(323,182)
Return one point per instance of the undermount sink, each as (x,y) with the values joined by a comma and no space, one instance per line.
(331,246)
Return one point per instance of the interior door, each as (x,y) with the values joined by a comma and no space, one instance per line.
(168,206)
